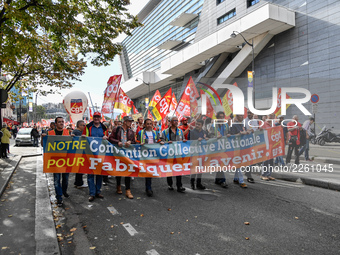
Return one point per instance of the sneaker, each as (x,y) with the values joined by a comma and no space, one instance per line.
(82,186)
(271,178)
(91,198)
(243,185)
(200,186)
(264,178)
(66,195)
(224,185)
(104,183)
(170,188)
(180,190)
(149,192)
(59,203)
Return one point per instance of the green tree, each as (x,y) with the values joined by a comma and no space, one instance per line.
(40,112)
(45,42)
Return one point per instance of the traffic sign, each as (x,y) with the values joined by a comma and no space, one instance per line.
(315,108)
(314,98)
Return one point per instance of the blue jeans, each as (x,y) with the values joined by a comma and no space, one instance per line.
(35,141)
(267,168)
(239,176)
(60,188)
(305,149)
(280,160)
(94,188)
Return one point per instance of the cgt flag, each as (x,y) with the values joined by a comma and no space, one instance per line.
(187,105)
(123,102)
(155,99)
(277,111)
(162,107)
(110,93)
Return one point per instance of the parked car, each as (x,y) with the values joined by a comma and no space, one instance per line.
(24,137)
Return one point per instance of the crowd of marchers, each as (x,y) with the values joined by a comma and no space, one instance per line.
(126,132)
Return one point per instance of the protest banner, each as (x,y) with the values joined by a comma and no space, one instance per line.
(90,155)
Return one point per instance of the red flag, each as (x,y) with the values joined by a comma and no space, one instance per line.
(155,99)
(134,109)
(277,111)
(173,104)
(163,106)
(110,93)
(188,106)
(91,114)
(123,102)
(103,117)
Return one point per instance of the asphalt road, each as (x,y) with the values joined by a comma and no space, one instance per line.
(284,218)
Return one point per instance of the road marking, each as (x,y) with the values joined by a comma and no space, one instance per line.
(130,229)
(280,184)
(112,210)
(152,252)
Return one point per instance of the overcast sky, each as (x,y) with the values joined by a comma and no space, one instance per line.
(95,78)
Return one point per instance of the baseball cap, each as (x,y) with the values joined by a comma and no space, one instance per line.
(127,118)
(185,118)
(97,114)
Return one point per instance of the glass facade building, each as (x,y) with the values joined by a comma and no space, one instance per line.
(143,50)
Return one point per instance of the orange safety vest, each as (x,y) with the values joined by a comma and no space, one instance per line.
(65,132)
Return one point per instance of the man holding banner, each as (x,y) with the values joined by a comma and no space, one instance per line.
(173,133)
(148,136)
(60,188)
(124,136)
(95,129)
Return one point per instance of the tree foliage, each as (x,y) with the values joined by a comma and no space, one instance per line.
(45,42)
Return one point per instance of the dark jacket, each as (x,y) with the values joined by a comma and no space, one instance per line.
(35,133)
(116,137)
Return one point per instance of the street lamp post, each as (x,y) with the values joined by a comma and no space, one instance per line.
(233,35)
(148,84)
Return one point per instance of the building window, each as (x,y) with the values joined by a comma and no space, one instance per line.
(252,2)
(219,1)
(226,16)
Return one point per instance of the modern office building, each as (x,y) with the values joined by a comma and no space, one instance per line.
(294,44)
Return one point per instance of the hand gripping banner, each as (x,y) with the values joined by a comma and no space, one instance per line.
(90,155)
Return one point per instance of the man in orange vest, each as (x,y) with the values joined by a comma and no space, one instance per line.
(60,189)
(95,129)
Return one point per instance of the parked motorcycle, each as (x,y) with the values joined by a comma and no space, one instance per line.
(312,136)
(317,137)
(328,137)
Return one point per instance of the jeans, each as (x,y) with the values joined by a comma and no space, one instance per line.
(148,183)
(60,189)
(267,167)
(239,176)
(305,149)
(35,142)
(94,188)
(280,160)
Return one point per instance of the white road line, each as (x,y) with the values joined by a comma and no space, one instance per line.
(112,210)
(130,229)
(280,184)
(152,252)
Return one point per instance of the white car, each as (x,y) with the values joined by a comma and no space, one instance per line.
(24,137)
